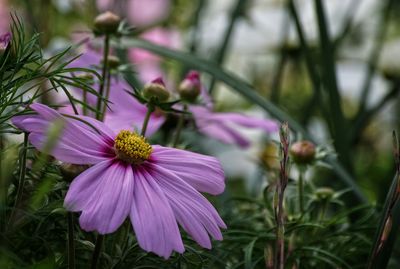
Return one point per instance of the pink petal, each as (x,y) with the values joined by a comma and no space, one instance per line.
(248,121)
(152,217)
(196,215)
(78,143)
(204,173)
(104,194)
(146,12)
(222,126)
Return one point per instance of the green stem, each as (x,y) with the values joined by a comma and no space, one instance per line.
(97,250)
(103,75)
(150,109)
(179,127)
(71,244)
(84,108)
(301,193)
(21,180)
(107,93)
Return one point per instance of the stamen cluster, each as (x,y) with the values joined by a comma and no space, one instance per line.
(131,147)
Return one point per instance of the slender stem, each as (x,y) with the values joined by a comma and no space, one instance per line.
(108,83)
(150,109)
(21,180)
(97,250)
(103,75)
(71,243)
(279,258)
(179,127)
(301,193)
(84,108)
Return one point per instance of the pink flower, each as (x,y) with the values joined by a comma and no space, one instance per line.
(5,40)
(157,187)
(148,65)
(140,13)
(223,126)
(147,12)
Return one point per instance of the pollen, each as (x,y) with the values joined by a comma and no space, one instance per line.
(131,147)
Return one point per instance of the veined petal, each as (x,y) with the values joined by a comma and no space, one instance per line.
(247,121)
(152,217)
(192,210)
(104,194)
(222,126)
(223,133)
(81,143)
(204,173)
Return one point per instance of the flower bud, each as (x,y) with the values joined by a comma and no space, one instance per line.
(324,193)
(107,22)
(303,152)
(269,157)
(87,77)
(113,61)
(190,87)
(156,90)
(70,171)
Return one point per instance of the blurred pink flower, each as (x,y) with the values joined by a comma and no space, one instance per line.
(157,187)
(223,125)
(147,12)
(5,40)
(140,13)
(4,16)
(148,64)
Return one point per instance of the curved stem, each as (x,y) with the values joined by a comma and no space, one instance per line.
(179,127)
(103,75)
(150,109)
(97,250)
(71,244)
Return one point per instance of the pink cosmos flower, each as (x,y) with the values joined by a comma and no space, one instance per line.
(148,65)
(140,13)
(157,187)
(4,16)
(5,40)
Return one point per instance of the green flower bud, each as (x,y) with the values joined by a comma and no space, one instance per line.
(156,90)
(190,87)
(113,61)
(303,152)
(324,193)
(107,22)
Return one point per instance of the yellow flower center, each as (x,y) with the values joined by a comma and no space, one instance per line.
(131,147)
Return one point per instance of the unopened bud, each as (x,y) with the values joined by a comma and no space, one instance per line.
(70,171)
(190,87)
(113,61)
(269,156)
(324,193)
(303,152)
(156,90)
(107,22)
